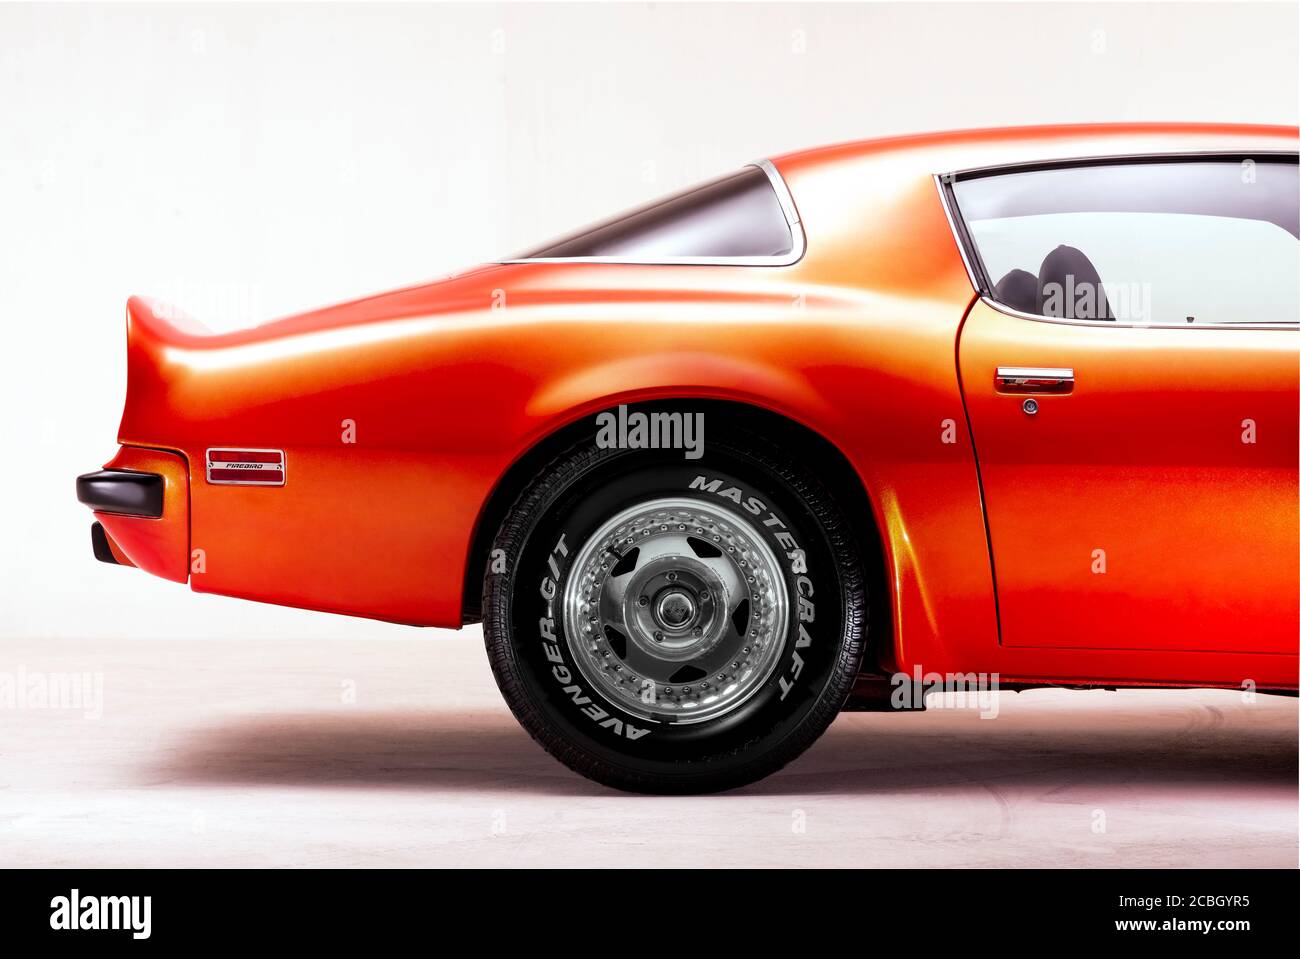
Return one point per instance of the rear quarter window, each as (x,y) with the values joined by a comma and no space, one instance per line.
(739,218)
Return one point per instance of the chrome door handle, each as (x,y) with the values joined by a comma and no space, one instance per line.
(1033,379)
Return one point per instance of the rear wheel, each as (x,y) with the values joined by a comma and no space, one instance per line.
(667,625)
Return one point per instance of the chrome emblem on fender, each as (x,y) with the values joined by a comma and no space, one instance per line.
(242,467)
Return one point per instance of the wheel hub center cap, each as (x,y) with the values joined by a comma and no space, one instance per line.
(676,609)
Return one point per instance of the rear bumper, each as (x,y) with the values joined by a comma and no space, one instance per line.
(141,505)
(125,492)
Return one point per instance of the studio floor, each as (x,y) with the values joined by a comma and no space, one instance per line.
(400,753)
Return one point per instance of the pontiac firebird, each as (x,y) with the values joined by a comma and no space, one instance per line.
(1015,402)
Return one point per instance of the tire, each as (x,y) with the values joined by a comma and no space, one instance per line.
(779,615)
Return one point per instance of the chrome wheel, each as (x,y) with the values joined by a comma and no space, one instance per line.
(676,610)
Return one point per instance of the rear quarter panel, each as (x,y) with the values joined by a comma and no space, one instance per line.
(445,386)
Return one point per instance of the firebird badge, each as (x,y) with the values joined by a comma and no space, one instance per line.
(231,467)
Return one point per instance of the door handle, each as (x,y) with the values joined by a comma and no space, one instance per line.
(1033,379)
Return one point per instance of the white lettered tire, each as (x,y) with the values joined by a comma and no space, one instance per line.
(667,625)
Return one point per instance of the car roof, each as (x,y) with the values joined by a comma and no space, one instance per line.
(954,151)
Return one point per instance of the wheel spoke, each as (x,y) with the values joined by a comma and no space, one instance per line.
(613,591)
(721,657)
(726,571)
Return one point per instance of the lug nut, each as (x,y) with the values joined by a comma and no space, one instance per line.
(659,637)
(672,577)
(643,601)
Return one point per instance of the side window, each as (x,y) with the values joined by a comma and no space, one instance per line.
(1165,243)
(737,218)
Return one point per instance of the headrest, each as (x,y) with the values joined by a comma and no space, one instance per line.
(1069,287)
(1018,290)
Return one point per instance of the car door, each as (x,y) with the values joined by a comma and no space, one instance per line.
(1131,378)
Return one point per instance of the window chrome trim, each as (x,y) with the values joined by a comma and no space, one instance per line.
(975,265)
(1117,325)
(1108,159)
(944,185)
(798,242)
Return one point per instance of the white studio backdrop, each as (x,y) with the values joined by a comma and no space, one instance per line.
(248,161)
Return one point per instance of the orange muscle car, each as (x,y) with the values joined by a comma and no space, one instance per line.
(838,428)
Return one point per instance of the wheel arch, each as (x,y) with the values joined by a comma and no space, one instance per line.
(841,479)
